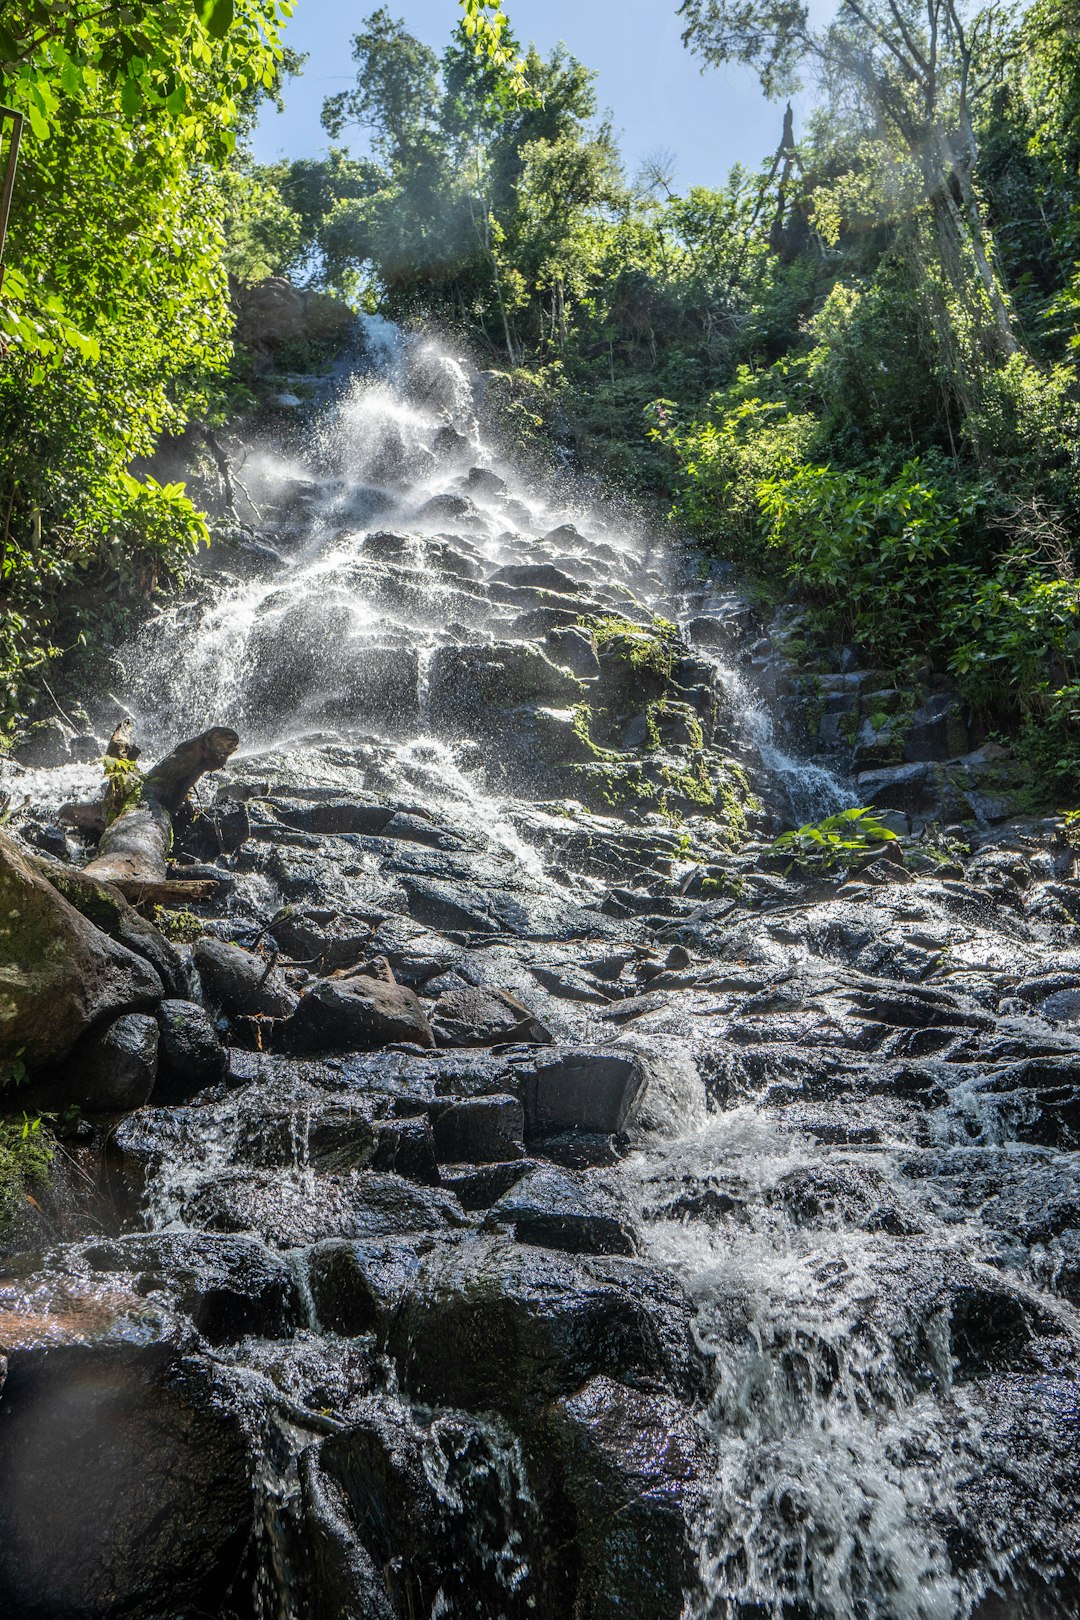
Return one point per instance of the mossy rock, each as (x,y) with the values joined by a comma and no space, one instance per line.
(59,974)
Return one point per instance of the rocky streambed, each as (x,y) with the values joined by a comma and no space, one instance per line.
(521,1195)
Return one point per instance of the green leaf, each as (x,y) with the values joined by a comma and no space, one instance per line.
(216,17)
(9,48)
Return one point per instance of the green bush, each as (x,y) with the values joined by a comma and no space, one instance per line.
(723,461)
(872,551)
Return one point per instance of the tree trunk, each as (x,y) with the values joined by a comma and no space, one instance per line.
(134,849)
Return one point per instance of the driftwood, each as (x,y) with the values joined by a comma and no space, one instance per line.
(134,850)
(94,818)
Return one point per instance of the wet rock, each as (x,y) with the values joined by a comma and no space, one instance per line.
(938,730)
(241,983)
(558,1209)
(291,1213)
(589,1090)
(572,648)
(897,787)
(541,576)
(409,1518)
(356,1013)
(468,681)
(229,1286)
(479,1016)
(59,975)
(492,1324)
(356,1287)
(103,1456)
(111,1070)
(107,909)
(1037,1101)
(407,1146)
(47,745)
(1021,1514)
(477,1186)
(449,508)
(480,1130)
(190,1054)
(636,1469)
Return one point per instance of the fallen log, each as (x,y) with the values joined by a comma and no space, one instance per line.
(94,818)
(134,850)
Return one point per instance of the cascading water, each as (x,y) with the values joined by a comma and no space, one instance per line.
(822,1154)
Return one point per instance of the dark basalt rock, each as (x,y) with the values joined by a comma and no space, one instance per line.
(106,908)
(241,983)
(477,1186)
(190,1054)
(542,576)
(228,1286)
(579,1089)
(498,1325)
(479,1016)
(390,1544)
(467,682)
(558,1209)
(480,1130)
(635,1467)
(291,1214)
(60,976)
(356,1014)
(113,1071)
(356,1287)
(104,1457)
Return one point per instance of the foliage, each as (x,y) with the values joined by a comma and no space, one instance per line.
(26,1156)
(114,316)
(870,548)
(123,786)
(743,444)
(835,842)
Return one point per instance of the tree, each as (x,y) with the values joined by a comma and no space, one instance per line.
(920,69)
(114,319)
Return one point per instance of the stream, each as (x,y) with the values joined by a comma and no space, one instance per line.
(703,1240)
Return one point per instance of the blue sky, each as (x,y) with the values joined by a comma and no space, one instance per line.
(649,82)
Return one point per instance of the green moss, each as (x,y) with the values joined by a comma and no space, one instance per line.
(26,1157)
(644,648)
(182,927)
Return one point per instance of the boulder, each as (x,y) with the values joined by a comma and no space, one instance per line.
(59,975)
(127,1484)
(356,1286)
(289,1215)
(939,730)
(240,983)
(107,909)
(478,1016)
(408,1517)
(356,1013)
(541,576)
(190,1054)
(47,745)
(579,1089)
(480,1130)
(465,682)
(561,1209)
(494,1324)
(228,1285)
(113,1070)
(635,1467)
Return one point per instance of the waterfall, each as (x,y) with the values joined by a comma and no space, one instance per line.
(445,771)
